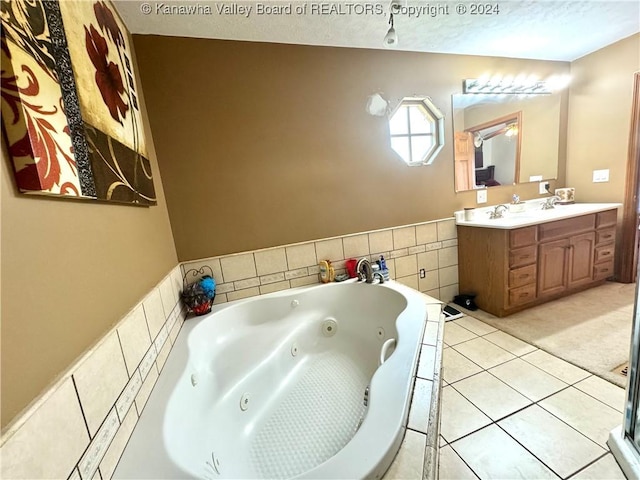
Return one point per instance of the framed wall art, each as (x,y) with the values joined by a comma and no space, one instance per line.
(70,110)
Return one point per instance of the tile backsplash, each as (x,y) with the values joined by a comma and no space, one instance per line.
(423,256)
(79,427)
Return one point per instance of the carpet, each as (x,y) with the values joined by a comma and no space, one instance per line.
(590,329)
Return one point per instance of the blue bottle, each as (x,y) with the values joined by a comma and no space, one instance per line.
(383,268)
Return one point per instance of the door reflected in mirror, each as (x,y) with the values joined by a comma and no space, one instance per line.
(505,139)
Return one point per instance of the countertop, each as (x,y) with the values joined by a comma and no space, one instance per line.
(533,214)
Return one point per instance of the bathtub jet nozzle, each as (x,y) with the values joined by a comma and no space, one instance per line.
(244,402)
(329,327)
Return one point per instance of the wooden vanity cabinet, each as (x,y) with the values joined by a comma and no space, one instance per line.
(510,270)
(605,244)
(566,254)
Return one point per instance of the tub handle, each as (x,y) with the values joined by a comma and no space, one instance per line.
(385,346)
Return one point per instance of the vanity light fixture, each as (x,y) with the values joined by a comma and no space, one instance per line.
(558,82)
(520,85)
(497,85)
(391,38)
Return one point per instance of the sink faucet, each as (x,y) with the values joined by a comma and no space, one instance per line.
(497,213)
(550,202)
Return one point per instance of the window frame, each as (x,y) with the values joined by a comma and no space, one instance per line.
(437,126)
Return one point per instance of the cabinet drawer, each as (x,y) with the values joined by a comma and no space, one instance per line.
(521,295)
(521,237)
(523,256)
(522,276)
(567,227)
(603,270)
(604,253)
(605,236)
(607,219)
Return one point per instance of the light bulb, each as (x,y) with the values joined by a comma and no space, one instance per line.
(391,38)
(558,82)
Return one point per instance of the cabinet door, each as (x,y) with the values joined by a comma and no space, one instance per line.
(581,259)
(552,267)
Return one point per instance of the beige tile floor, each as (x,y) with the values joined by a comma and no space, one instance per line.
(511,411)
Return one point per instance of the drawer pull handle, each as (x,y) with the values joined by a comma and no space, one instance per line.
(606,253)
(524,276)
(607,236)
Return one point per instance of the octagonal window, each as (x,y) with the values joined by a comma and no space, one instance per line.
(416,128)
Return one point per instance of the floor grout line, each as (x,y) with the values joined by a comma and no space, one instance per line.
(568,424)
(495,422)
(529,451)
(608,452)
(621,412)
(464,461)
(471,360)
(525,354)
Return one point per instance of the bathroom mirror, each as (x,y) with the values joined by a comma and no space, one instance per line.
(505,139)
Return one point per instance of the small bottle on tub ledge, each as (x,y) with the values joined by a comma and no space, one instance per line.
(327,273)
(383,268)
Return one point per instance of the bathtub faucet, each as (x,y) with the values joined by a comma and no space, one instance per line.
(365,271)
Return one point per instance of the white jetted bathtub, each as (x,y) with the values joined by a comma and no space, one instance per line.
(286,385)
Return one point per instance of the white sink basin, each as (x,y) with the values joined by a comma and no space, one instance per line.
(534,215)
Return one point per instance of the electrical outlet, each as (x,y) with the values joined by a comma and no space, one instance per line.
(423,273)
(601,176)
(481,196)
(542,187)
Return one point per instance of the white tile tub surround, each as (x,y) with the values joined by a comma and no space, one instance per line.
(97,397)
(430,247)
(51,442)
(418,452)
(78,427)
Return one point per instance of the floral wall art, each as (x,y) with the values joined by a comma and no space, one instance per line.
(70,110)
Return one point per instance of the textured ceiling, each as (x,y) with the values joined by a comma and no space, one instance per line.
(548,30)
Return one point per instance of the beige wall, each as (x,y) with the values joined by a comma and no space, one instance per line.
(599,119)
(599,122)
(265,144)
(70,270)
